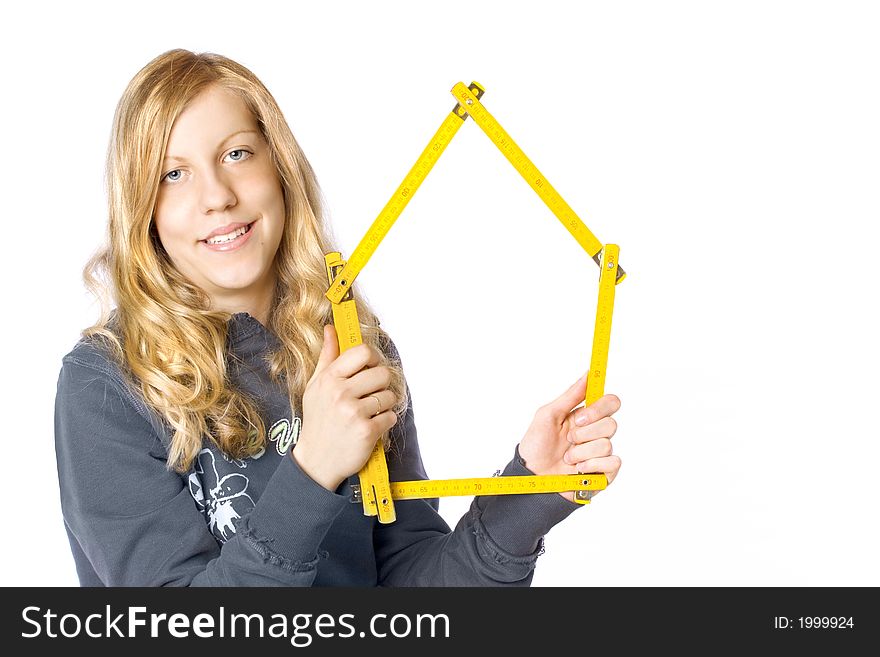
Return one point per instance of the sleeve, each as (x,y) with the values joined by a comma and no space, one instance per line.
(135,521)
(496,543)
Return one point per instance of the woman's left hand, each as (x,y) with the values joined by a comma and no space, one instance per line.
(566,439)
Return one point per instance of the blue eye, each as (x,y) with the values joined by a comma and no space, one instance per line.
(172,176)
(242,154)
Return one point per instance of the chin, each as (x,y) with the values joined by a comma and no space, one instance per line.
(233,286)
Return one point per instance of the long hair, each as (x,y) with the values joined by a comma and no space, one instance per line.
(162,332)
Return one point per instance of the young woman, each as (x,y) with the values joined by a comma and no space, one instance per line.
(207,428)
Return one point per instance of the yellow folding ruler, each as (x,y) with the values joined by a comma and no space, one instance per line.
(375,491)
(374,487)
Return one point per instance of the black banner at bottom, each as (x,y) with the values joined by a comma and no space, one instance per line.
(441,620)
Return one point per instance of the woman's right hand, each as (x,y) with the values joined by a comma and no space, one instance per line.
(342,419)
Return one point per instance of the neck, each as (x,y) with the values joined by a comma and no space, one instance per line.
(256,303)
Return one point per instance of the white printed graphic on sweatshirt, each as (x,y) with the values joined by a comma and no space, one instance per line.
(241,463)
(284,434)
(222,500)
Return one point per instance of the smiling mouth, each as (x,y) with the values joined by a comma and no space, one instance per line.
(234,235)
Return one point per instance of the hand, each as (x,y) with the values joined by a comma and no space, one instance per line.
(341,419)
(565,441)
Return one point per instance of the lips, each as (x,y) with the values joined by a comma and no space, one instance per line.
(225,230)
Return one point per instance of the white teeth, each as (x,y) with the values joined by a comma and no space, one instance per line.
(220,239)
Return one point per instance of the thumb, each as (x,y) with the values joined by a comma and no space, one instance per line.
(571,398)
(330,350)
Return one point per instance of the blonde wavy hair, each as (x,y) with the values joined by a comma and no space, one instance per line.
(162,332)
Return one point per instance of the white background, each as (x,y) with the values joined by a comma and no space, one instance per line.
(731,149)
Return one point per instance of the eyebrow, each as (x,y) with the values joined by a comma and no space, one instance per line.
(238,132)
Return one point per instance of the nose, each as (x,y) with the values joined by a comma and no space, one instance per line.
(217,193)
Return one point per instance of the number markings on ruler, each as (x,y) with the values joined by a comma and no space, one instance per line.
(602,330)
(516,485)
(601,336)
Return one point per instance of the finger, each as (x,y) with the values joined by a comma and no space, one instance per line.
(377,403)
(329,351)
(607,465)
(570,398)
(591,450)
(602,428)
(354,360)
(602,407)
(383,422)
(372,379)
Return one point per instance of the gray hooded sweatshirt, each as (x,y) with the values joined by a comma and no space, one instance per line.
(260,521)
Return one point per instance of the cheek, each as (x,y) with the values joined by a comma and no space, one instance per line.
(174,232)
(168,230)
(168,219)
(166,205)
(270,200)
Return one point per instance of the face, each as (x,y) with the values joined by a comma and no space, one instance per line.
(220,209)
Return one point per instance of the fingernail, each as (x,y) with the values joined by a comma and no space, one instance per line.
(581,419)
